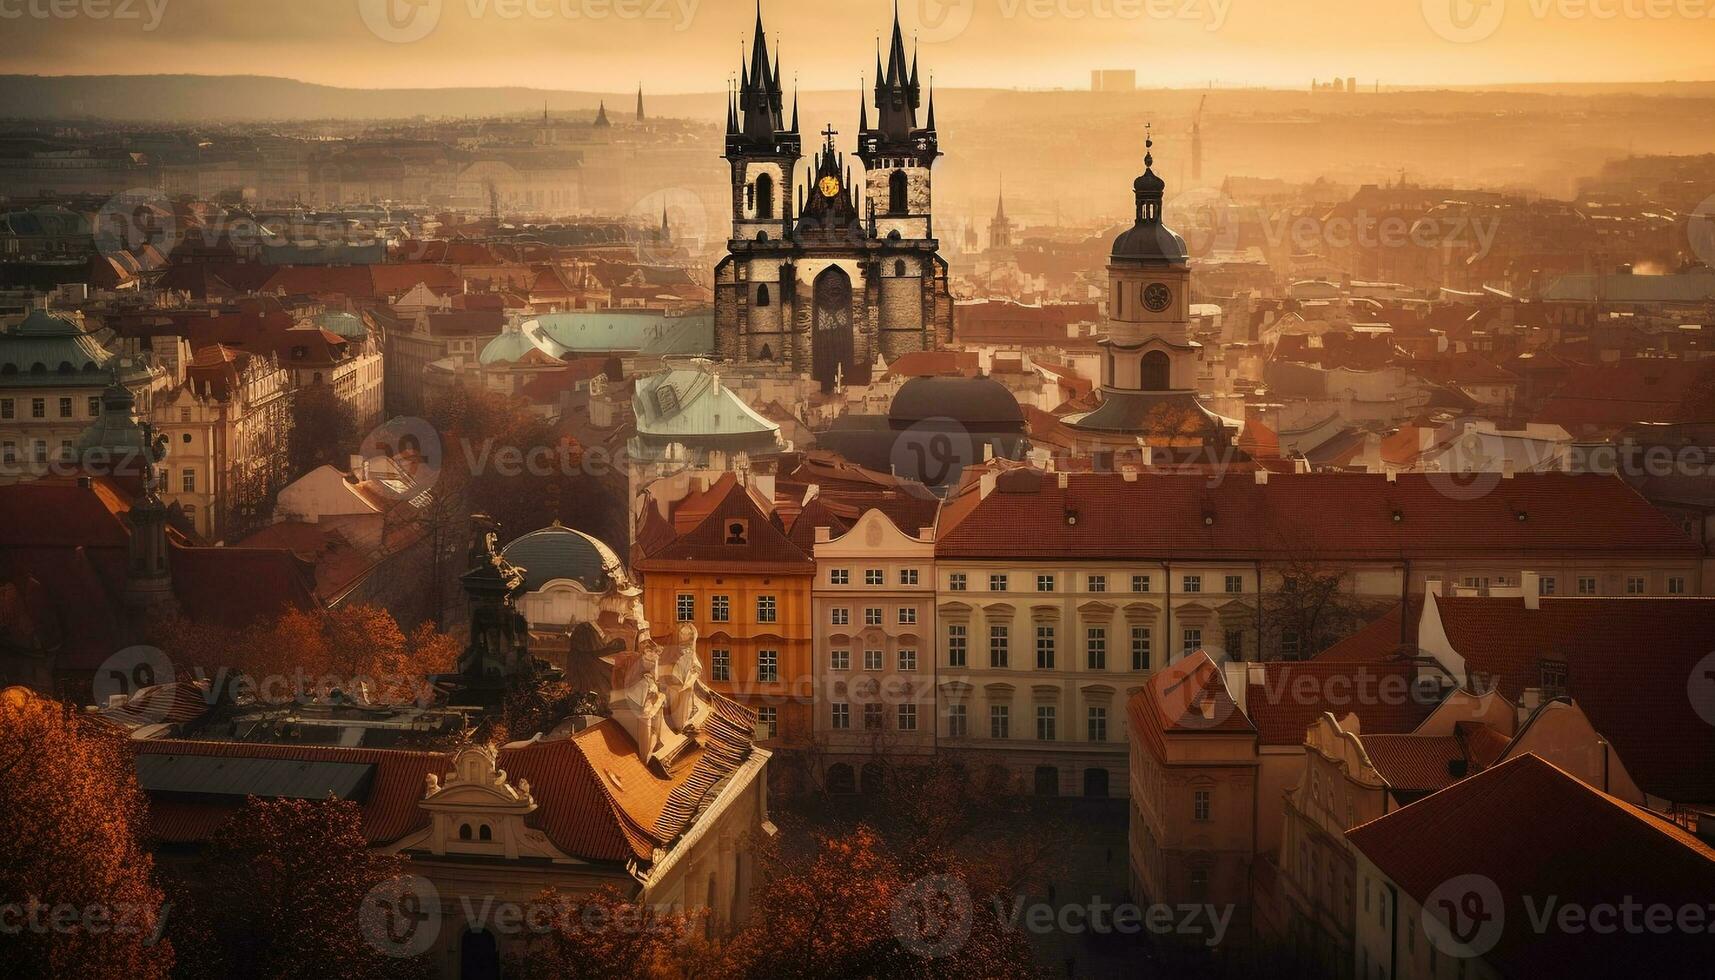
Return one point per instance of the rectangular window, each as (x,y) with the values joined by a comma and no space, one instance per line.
(957,638)
(6,408)
(766,719)
(1096,648)
(767,610)
(1586,586)
(1098,724)
(839,576)
(997,583)
(907,717)
(839,660)
(9,452)
(1545,586)
(907,660)
(722,664)
(1193,584)
(958,582)
(1140,648)
(1098,583)
(188,480)
(767,666)
(1235,644)
(94,406)
(1044,648)
(1235,584)
(1200,805)
(874,660)
(875,576)
(38,408)
(840,617)
(1676,586)
(1193,641)
(997,646)
(65,408)
(1000,721)
(842,717)
(908,615)
(908,576)
(1045,723)
(1140,583)
(957,721)
(872,717)
(720,608)
(686,607)
(1045,583)
(1635,585)
(872,616)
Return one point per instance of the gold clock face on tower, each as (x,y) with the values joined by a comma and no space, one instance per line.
(829,186)
(1157,297)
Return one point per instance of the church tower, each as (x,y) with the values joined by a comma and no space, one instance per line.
(1000,229)
(897,153)
(1149,361)
(762,150)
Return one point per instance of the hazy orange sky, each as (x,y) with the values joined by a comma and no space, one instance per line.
(692,45)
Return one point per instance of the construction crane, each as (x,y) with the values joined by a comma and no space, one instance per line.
(1197,143)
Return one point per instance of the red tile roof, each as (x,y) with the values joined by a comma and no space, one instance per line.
(1326,516)
(1186,698)
(1628,663)
(766,547)
(1291,696)
(1535,832)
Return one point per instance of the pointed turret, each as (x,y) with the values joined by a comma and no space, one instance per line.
(761,99)
(640,116)
(601,120)
(898,96)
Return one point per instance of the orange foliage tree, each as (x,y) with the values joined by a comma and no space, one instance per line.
(77,886)
(278,894)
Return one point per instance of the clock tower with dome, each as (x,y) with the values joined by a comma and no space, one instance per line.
(1149,362)
(826,272)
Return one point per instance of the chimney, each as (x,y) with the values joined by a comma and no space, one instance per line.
(1300,465)
(987,485)
(988,451)
(1128,474)
(1147,456)
(1531,583)
(1432,587)
(1063,479)
(1507,469)
(1262,478)
(1392,475)
(824,534)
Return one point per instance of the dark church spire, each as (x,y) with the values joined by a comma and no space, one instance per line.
(640,116)
(761,100)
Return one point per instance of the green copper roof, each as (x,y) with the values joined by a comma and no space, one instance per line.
(344,324)
(599,331)
(47,350)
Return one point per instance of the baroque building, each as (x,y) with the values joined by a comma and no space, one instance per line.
(825,276)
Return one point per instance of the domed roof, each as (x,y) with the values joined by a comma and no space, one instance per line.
(508,348)
(1151,241)
(561,553)
(972,402)
(342,324)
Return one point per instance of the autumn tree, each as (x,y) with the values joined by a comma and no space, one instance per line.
(1311,608)
(324,430)
(603,935)
(277,894)
(69,859)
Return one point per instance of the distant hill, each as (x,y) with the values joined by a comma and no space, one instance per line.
(257,98)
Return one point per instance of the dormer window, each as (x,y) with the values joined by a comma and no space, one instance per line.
(737,532)
(1553,679)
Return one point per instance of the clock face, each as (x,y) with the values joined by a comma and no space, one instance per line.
(829,186)
(1157,297)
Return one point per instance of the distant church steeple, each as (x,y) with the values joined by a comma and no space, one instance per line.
(640,116)
(601,120)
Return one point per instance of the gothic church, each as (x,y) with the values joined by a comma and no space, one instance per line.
(823,272)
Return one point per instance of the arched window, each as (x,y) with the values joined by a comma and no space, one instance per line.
(485,833)
(899,268)
(464,831)
(1156,372)
(764,197)
(762,236)
(897,192)
(762,295)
